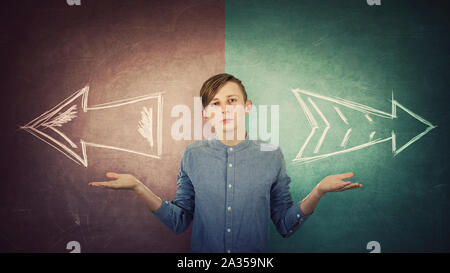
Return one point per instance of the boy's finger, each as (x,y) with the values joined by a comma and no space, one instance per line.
(345,188)
(99,184)
(112,175)
(351,186)
(345,175)
(343,185)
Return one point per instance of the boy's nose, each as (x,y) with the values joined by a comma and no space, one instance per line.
(224,110)
(227,109)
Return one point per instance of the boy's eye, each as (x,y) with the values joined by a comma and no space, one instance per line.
(230,101)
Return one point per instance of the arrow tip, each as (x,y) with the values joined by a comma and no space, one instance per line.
(417,137)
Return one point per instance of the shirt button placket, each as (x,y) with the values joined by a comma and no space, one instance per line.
(229,199)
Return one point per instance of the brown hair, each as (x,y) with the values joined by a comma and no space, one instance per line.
(211,86)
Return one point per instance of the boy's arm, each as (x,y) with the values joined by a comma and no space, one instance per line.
(152,201)
(287,216)
(178,213)
(310,202)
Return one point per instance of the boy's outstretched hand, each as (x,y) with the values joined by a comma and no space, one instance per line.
(331,183)
(121,182)
(129,182)
(335,183)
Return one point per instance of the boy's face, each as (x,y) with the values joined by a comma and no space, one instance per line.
(226,112)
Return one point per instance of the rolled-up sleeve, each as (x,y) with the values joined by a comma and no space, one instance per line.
(286,215)
(178,213)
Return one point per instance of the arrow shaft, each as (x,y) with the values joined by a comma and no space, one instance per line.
(119,149)
(121,102)
(118,103)
(314,158)
(350,104)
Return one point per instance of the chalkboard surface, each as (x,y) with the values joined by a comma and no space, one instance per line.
(90,76)
(368,76)
(89,87)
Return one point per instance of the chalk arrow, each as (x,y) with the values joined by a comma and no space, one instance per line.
(316,116)
(48,126)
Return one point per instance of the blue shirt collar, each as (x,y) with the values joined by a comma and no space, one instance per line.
(216,143)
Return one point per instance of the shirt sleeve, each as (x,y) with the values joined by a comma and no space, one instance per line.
(286,215)
(178,213)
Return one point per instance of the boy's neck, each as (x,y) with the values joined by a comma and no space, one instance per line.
(232,142)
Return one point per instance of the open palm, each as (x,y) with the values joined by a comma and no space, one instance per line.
(335,183)
(120,182)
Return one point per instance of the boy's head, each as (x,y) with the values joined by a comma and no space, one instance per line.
(212,86)
(225,104)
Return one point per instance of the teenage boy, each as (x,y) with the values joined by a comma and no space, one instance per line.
(230,185)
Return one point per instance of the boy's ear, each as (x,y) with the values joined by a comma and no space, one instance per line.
(249,106)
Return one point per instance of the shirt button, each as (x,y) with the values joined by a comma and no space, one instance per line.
(231,149)
(229,229)
(229,208)
(230,165)
(229,251)
(229,186)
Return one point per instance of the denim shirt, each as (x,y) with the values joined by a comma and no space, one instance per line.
(231,193)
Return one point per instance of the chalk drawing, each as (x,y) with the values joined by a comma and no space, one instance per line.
(347,135)
(340,114)
(363,109)
(145,125)
(54,119)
